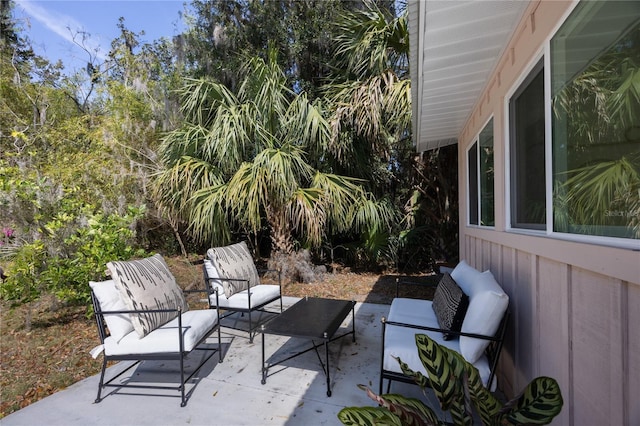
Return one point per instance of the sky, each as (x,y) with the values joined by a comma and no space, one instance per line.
(51,24)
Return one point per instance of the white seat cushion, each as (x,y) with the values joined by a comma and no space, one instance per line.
(259,294)
(400,341)
(195,324)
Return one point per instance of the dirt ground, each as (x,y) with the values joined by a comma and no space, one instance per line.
(53,352)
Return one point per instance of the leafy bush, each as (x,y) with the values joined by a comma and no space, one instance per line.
(73,250)
(54,239)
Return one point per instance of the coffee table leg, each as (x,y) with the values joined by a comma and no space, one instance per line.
(264,368)
(326,354)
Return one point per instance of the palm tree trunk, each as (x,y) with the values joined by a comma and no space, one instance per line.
(281,240)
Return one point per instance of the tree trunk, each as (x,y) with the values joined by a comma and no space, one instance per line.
(293,266)
(281,241)
(296,267)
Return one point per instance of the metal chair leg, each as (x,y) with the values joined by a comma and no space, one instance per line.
(104,367)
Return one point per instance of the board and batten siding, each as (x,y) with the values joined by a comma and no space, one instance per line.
(575,307)
(568,322)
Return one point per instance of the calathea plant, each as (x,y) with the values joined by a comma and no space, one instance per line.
(459,389)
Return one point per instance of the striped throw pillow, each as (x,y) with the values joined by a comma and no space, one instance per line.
(147,284)
(450,305)
(234,261)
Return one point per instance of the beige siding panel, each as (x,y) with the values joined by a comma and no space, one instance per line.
(597,349)
(523,302)
(507,369)
(632,331)
(553,327)
(494,263)
(486,255)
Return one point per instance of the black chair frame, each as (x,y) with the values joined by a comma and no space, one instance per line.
(253,328)
(175,356)
(492,351)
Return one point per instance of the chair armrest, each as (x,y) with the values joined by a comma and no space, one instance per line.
(138,311)
(439,330)
(227,279)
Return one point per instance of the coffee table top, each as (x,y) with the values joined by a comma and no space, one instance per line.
(310,318)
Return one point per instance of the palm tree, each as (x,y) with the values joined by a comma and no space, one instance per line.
(370,94)
(243,161)
(370,100)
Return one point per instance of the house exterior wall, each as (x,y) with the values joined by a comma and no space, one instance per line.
(575,306)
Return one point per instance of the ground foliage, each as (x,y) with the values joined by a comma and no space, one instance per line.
(54,352)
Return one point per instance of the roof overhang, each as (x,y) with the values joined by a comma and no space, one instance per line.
(455,46)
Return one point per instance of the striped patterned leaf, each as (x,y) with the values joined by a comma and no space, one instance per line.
(538,404)
(368,416)
(410,411)
(446,368)
(416,376)
(442,374)
(425,415)
(485,403)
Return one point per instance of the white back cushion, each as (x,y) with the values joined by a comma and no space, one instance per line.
(487,305)
(212,272)
(109,299)
(465,276)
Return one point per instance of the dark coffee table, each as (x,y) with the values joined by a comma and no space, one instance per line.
(313,319)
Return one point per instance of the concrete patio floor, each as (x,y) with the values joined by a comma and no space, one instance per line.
(231,393)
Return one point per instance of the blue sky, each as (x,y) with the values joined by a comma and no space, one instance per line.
(47,24)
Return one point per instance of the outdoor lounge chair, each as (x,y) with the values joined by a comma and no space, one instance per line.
(231,272)
(141,315)
(468,314)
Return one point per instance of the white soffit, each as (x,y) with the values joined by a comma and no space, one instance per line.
(455,46)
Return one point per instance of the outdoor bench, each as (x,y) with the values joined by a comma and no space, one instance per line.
(473,307)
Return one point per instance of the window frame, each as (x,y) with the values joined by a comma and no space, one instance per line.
(475,142)
(473,205)
(543,54)
(539,60)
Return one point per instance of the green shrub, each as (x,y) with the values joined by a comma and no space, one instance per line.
(73,250)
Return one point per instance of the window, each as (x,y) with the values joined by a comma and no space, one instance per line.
(472,158)
(527,146)
(481,190)
(595,75)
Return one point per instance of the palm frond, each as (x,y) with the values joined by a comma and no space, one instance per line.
(201,98)
(306,124)
(174,187)
(208,217)
(372,41)
(340,193)
(594,189)
(185,141)
(375,216)
(306,214)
